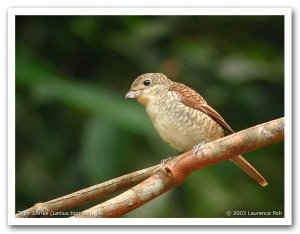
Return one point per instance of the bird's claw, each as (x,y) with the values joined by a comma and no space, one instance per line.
(198,147)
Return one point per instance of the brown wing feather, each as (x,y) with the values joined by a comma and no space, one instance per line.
(217,117)
(194,100)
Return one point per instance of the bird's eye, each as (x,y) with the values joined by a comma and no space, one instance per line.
(147,82)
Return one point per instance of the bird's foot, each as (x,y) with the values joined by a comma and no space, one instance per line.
(164,161)
(198,147)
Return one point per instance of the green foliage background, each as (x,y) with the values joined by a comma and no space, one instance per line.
(74,127)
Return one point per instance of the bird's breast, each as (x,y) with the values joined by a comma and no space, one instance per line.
(181,126)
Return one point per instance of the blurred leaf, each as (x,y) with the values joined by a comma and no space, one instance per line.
(88,98)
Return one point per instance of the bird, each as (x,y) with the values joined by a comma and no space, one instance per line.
(182,117)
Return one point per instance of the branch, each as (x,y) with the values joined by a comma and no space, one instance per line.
(86,195)
(175,170)
(163,177)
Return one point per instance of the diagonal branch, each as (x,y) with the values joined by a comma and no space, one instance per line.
(161,178)
(84,196)
(175,170)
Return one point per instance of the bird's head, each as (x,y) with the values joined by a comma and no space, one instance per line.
(148,86)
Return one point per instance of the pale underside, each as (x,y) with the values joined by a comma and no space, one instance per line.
(181,126)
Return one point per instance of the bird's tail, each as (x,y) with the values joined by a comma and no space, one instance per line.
(249,169)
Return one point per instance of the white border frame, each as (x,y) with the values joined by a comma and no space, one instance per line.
(286,12)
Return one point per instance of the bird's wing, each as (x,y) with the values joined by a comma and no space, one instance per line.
(194,100)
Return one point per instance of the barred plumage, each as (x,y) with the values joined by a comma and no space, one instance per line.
(182,117)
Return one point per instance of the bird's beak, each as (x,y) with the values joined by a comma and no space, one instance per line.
(133,94)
